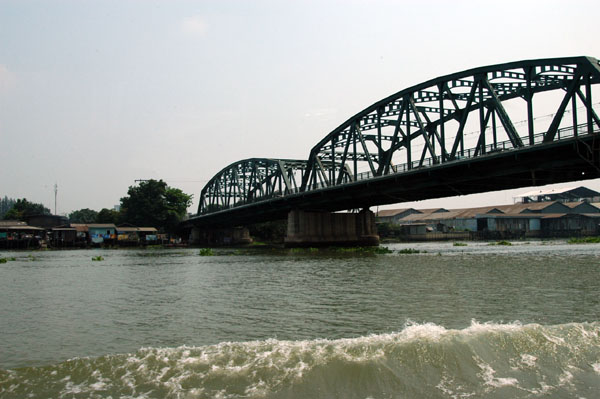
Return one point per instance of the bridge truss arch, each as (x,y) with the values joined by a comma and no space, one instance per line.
(251,180)
(503,126)
(463,115)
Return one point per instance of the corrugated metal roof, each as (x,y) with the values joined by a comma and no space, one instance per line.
(136,229)
(574,205)
(577,191)
(20,227)
(80,227)
(560,215)
(536,193)
(127,229)
(519,210)
(147,229)
(12,223)
(433,210)
(101,226)
(423,217)
(532,206)
(391,212)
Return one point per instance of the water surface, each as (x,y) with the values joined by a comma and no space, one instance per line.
(451,321)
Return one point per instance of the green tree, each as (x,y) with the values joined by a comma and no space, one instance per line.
(108,216)
(5,205)
(84,215)
(22,209)
(154,204)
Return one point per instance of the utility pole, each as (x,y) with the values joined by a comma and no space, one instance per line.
(55,194)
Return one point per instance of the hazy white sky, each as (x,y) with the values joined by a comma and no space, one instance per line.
(95,94)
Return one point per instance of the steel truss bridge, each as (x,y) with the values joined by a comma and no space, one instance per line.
(518,124)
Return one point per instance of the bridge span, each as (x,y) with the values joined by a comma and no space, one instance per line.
(518,124)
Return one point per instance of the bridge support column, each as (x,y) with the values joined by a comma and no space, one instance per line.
(311,229)
(218,237)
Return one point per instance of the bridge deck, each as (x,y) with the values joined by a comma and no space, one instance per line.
(570,158)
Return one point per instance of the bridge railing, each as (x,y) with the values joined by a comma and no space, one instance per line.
(493,148)
(490,149)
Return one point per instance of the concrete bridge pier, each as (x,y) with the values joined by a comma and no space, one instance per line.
(312,229)
(222,236)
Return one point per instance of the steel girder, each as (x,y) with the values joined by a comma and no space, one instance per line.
(251,180)
(426,124)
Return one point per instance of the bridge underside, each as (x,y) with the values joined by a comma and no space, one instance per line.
(555,162)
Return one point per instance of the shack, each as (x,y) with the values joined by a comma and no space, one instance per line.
(83,235)
(63,237)
(148,235)
(132,235)
(102,233)
(127,235)
(15,234)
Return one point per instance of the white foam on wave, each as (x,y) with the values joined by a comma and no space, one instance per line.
(258,368)
(477,327)
(488,375)
(554,339)
(528,360)
(566,378)
(262,365)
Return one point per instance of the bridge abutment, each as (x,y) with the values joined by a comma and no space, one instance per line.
(312,229)
(223,236)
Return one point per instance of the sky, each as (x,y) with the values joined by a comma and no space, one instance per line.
(97,94)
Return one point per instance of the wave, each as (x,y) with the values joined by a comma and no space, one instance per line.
(422,360)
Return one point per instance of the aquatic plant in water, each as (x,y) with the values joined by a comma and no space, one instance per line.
(97,258)
(584,240)
(410,251)
(206,252)
(503,242)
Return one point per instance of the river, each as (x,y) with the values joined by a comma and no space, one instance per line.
(446,321)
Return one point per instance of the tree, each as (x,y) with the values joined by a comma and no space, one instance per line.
(154,204)
(108,216)
(84,215)
(22,209)
(5,205)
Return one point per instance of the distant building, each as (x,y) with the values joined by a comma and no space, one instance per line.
(131,235)
(102,233)
(64,237)
(394,215)
(570,194)
(15,234)
(525,219)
